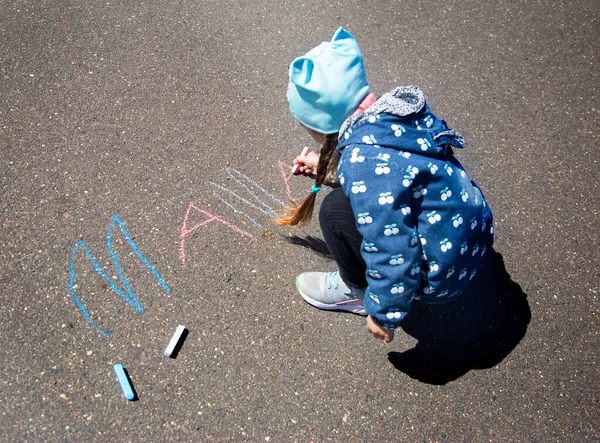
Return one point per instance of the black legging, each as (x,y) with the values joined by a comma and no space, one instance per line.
(343,239)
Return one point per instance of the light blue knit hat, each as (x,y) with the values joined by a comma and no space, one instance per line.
(328,83)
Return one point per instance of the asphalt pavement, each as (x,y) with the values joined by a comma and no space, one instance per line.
(145,147)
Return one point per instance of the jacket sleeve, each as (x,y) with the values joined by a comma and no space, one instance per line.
(391,245)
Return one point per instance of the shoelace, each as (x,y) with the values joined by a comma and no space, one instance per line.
(332,279)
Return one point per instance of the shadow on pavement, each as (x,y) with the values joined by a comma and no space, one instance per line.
(315,244)
(476,331)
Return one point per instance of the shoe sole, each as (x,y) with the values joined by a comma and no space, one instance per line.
(353,306)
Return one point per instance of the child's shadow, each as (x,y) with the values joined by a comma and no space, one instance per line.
(476,331)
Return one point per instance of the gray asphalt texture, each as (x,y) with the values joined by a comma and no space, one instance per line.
(138,110)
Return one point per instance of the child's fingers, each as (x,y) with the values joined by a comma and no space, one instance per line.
(303,167)
(306,170)
(385,336)
(311,160)
(300,160)
(299,163)
(389,336)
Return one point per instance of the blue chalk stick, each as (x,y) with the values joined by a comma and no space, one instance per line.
(124,381)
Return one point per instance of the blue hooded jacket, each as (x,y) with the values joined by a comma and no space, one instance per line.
(425,223)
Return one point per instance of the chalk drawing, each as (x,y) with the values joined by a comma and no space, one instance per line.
(234,209)
(185,230)
(126,292)
(249,186)
(256,198)
(284,168)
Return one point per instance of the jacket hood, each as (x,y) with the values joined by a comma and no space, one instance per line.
(400,120)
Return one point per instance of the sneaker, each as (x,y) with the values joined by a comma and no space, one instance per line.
(326,290)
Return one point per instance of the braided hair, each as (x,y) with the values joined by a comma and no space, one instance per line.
(301,213)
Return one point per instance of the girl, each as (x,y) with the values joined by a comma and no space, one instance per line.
(407,223)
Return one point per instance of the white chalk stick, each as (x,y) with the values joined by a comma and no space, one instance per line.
(174,340)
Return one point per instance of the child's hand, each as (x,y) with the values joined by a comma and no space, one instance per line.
(308,163)
(387,335)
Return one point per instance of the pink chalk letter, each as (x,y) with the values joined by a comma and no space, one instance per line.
(185,230)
